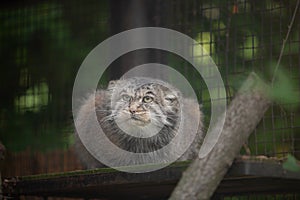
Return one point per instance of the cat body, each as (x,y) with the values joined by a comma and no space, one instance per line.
(141,116)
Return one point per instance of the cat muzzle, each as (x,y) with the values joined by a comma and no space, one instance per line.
(142,117)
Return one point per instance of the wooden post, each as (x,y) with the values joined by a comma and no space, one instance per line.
(203,176)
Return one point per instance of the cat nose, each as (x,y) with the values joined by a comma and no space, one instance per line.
(133,108)
(132,111)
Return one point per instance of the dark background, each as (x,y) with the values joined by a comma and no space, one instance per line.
(43,43)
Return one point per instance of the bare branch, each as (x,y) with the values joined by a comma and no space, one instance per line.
(203,176)
(284,41)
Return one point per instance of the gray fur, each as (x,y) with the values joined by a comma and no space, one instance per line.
(140,105)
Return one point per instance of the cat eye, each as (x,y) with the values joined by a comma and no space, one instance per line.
(126,97)
(147,99)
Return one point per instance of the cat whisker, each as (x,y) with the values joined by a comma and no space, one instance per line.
(107,118)
(159,124)
(123,121)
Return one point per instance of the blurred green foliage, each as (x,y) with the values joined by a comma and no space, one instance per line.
(44,43)
(42,46)
(285,90)
(291,164)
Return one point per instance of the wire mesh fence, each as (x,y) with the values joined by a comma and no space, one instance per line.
(42,45)
(243,36)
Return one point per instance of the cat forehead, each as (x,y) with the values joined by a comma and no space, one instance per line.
(140,88)
(143,85)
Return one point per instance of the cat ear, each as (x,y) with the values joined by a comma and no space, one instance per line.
(111,84)
(170,97)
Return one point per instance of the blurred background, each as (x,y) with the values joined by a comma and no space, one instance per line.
(43,43)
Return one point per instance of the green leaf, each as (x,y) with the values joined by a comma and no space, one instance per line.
(285,90)
(291,164)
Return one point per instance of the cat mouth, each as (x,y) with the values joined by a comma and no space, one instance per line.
(139,119)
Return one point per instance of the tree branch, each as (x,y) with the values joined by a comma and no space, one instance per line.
(284,41)
(203,176)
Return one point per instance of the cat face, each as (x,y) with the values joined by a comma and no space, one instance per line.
(142,108)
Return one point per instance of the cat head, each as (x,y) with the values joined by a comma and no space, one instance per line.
(143,106)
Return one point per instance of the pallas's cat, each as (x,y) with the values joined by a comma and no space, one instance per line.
(140,116)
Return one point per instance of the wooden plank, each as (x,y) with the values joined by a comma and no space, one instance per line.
(245,176)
